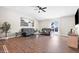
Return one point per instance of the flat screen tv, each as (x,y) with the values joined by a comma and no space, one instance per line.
(77,17)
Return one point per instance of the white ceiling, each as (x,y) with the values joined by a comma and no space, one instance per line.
(51,11)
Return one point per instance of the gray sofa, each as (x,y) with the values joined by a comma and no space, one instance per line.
(27,31)
(46,31)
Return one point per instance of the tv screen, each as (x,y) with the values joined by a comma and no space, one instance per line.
(76,18)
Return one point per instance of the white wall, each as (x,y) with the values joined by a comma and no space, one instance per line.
(13,17)
(44,24)
(65,24)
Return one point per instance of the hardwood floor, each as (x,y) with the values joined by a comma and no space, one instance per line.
(1,46)
(39,44)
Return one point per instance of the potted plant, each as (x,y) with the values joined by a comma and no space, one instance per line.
(5,28)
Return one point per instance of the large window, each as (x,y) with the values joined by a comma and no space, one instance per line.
(54,26)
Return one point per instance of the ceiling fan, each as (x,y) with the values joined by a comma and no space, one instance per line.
(41,9)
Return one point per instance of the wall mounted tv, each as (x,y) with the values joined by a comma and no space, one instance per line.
(77,17)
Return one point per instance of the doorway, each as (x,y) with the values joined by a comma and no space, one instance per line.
(55,27)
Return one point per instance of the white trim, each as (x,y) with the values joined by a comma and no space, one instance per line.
(9,37)
(64,35)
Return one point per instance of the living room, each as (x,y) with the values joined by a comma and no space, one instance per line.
(27,20)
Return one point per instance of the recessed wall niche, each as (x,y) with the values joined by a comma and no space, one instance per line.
(26,22)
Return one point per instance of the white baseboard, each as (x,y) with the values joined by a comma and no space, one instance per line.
(9,37)
(64,35)
(6,37)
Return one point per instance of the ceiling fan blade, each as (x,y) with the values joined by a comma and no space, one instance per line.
(39,7)
(44,8)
